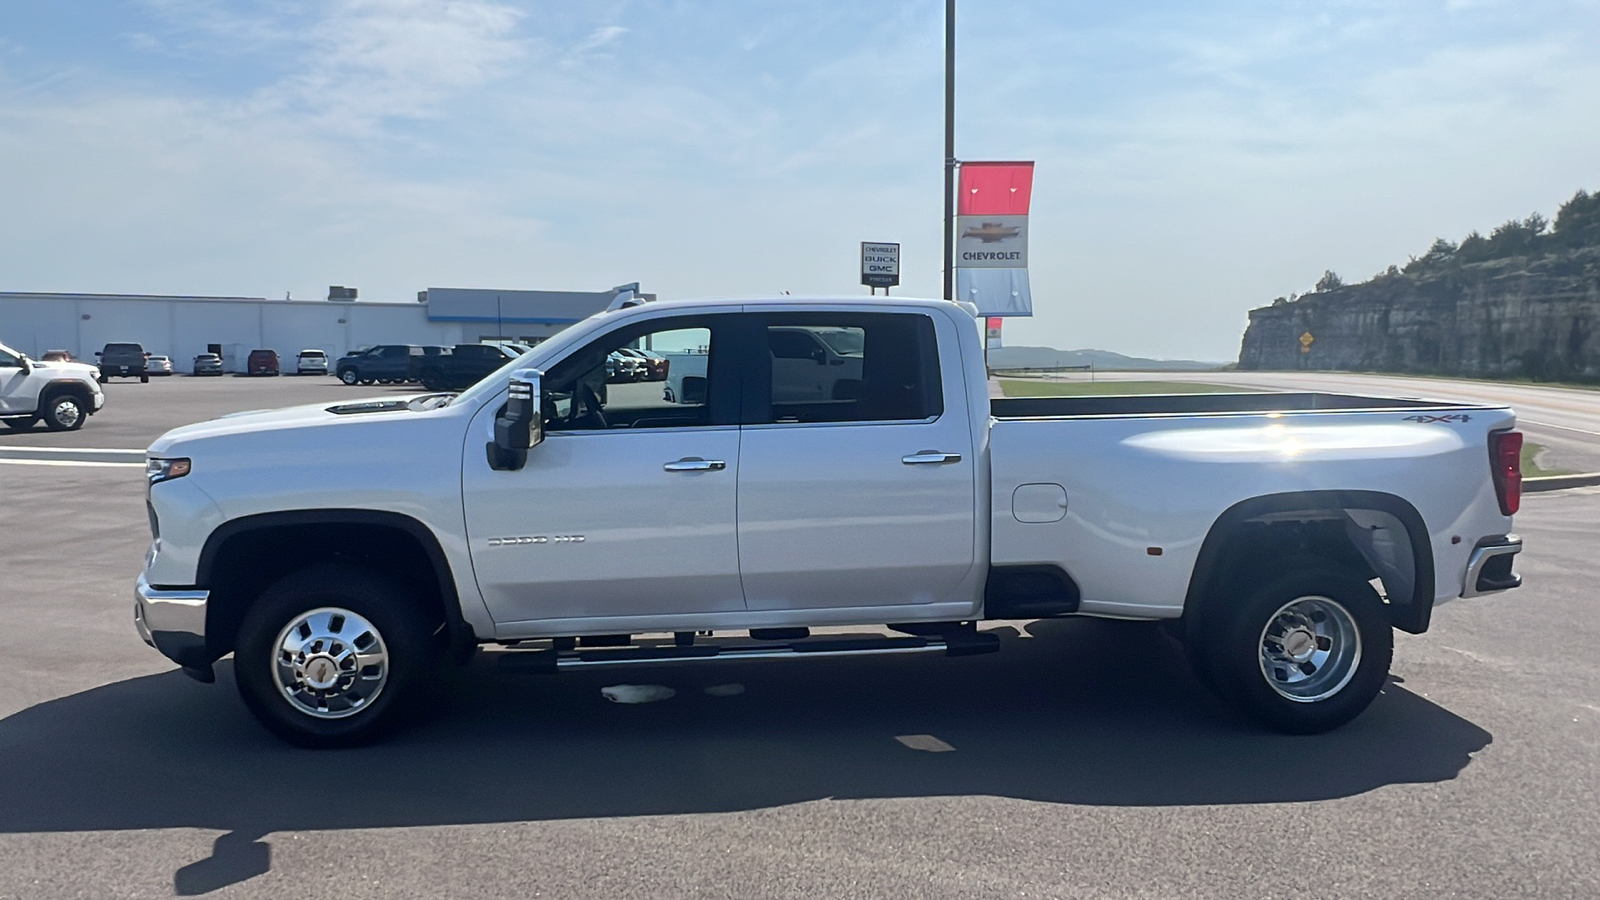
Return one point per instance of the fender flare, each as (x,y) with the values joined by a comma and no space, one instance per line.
(1409,614)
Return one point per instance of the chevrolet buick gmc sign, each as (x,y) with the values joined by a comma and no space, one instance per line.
(992,242)
(880,264)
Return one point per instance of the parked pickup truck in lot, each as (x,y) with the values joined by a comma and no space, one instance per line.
(63,394)
(461,367)
(341,552)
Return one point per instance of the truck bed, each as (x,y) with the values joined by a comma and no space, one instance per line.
(1190,404)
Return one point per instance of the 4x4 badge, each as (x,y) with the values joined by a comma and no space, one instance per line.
(1447,417)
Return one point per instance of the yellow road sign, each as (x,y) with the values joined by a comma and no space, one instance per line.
(1305,342)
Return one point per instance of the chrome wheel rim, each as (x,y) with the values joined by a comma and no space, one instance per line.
(330,663)
(349,378)
(66,413)
(1310,649)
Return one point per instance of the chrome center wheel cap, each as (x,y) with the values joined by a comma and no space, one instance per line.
(320,672)
(1299,644)
(330,663)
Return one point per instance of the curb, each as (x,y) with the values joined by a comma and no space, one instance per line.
(69,454)
(1560,482)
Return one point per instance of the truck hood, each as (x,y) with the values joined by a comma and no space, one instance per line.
(315,415)
(80,369)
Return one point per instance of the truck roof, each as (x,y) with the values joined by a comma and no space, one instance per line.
(799,300)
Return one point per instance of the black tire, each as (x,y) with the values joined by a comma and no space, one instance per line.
(403,632)
(369,381)
(144,379)
(22,424)
(1328,618)
(349,376)
(64,412)
(433,379)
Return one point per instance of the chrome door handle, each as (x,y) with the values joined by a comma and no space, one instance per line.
(930,457)
(695,464)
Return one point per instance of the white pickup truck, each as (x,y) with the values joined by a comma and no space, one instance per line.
(342,552)
(63,394)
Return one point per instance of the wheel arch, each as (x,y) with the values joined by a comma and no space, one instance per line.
(245,555)
(57,388)
(1234,542)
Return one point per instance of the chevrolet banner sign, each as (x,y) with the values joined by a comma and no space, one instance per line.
(991,252)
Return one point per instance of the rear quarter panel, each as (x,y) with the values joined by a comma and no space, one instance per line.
(1136,483)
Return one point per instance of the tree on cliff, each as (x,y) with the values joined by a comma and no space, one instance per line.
(1578,217)
(1329,280)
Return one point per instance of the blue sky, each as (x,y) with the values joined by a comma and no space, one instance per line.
(1194,159)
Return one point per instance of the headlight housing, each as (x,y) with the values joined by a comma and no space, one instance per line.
(157,470)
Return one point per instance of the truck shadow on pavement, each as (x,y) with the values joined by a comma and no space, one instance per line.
(1071,711)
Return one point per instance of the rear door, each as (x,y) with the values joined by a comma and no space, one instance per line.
(856,481)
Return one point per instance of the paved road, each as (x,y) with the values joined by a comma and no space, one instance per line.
(1566,421)
(1085,761)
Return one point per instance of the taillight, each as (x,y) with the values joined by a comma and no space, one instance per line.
(1505,457)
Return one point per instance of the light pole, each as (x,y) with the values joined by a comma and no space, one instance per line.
(949,147)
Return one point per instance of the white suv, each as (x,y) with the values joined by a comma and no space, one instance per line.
(63,394)
(311,362)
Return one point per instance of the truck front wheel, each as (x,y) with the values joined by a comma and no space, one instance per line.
(1305,652)
(329,656)
(64,412)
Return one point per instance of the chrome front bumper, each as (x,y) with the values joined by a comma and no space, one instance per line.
(1489,567)
(173,622)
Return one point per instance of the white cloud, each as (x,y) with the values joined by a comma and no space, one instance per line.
(368,60)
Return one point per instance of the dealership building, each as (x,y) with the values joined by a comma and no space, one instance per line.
(182,327)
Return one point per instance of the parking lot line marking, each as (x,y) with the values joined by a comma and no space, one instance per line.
(74,454)
(69,462)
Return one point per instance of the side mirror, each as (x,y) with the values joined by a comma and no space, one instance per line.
(820,355)
(521,427)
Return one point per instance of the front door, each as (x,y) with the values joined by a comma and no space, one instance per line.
(12,382)
(628,507)
(862,494)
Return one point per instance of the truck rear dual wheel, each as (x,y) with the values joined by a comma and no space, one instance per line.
(1304,652)
(333,655)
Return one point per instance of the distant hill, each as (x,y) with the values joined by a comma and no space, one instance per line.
(1047,357)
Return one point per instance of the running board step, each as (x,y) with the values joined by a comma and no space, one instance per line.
(546,661)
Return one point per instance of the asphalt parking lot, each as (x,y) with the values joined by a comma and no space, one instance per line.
(1081,761)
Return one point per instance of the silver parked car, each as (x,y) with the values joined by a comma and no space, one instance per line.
(158,365)
(311,362)
(208,364)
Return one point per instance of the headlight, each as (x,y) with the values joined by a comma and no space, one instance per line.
(159,470)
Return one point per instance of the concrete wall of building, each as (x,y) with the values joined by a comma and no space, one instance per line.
(183,327)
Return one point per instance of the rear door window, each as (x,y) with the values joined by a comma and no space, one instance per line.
(848,367)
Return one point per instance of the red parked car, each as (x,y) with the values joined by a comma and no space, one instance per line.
(262,362)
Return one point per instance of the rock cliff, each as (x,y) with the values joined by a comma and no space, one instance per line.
(1523,302)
